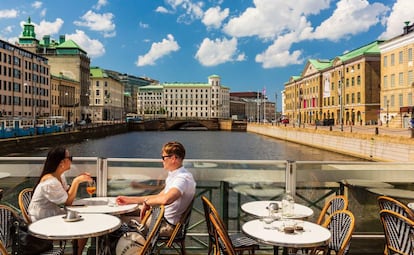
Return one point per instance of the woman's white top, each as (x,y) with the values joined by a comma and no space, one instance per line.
(48,198)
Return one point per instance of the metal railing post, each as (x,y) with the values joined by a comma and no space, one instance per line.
(290,178)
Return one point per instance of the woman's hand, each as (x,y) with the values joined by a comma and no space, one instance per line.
(84,177)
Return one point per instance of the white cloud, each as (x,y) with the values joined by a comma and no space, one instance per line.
(93,47)
(158,50)
(213,17)
(192,10)
(278,54)
(351,17)
(161,9)
(37,5)
(43,12)
(7,14)
(401,11)
(100,4)
(98,22)
(46,27)
(270,18)
(143,25)
(215,52)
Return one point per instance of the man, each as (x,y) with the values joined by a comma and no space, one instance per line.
(178,193)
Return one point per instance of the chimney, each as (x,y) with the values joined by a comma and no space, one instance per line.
(61,39)
(46,40)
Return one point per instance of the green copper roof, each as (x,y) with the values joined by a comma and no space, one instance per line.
(69,44)
(320,64)
(97,72)
(151,87)
(371,48)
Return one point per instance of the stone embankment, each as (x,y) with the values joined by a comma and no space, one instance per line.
(382,147)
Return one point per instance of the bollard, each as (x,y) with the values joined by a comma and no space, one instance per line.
(330,128)
(351,129)
(376,130)
(412,132)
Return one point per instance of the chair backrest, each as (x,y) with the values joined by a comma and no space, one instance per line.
(399,232)
(341,224)
(392,204)
(7,217)
(25,196)
(157,216)
(222,238)
(336,203)
(180,230)
(208,209)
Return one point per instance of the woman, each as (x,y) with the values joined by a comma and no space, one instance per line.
(52,190)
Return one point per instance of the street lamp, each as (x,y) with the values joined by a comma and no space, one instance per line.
(341,100)
(388,106)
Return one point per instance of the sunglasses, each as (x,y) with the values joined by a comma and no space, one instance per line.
(167,156)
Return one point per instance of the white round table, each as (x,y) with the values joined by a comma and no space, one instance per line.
(258,208)
(101,205)
(313,235)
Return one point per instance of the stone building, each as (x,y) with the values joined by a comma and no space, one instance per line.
(185,100)
(24,82)
(397,80)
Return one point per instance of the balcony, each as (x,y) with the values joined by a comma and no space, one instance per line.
(231,183)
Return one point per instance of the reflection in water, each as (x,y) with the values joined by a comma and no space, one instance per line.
(199,145)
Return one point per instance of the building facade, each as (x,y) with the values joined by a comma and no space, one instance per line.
(24,82)
(341,91)
(65,98)
(185,100)
(65,57)
(397,80)
(107,96)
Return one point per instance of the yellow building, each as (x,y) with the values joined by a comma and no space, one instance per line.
(342,91)
(397,81)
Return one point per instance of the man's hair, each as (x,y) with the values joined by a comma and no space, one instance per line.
(174,148)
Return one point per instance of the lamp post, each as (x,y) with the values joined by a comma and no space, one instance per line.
(341,100)
(388,106)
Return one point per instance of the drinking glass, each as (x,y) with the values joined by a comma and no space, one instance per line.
(91,188)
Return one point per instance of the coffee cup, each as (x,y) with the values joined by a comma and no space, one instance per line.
(70,215)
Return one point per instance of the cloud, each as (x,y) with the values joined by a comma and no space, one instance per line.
(270,18)
(98,22)
(161,9)
(401,11)
(143,25)
(46,27)
(351,17)
(192,10)
(278,54)
(93,47)
(219,51)
(158,50)
(37,5)
(100,4)
(8,14)
(213,17)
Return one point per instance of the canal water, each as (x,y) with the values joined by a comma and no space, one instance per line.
(199,145)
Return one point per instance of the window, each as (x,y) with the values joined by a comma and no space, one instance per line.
(392,59)
(400,57)
(384,61)
(392,80)
(410,54)
(400,79)
(385,82)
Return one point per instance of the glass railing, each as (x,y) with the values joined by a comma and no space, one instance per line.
(229,184)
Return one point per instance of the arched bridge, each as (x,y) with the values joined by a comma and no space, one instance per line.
(188,124)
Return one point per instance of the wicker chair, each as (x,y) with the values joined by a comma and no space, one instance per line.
(8,215)
(239,241)
(223,244)
(336,203)
(399,232)
(341,224)
(392,204)
(179,233)
(157,216)
(25,196)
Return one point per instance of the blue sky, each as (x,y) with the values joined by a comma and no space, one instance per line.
(251,44)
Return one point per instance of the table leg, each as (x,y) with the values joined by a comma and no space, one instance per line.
(75,246)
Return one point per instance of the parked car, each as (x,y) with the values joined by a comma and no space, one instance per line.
(284,120)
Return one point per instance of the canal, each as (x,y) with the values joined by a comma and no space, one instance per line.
(199,145)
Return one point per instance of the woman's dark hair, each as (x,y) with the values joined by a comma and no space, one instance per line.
(53,159)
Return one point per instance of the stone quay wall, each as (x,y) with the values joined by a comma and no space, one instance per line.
(381,148)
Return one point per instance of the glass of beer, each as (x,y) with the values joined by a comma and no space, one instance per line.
(91,188)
